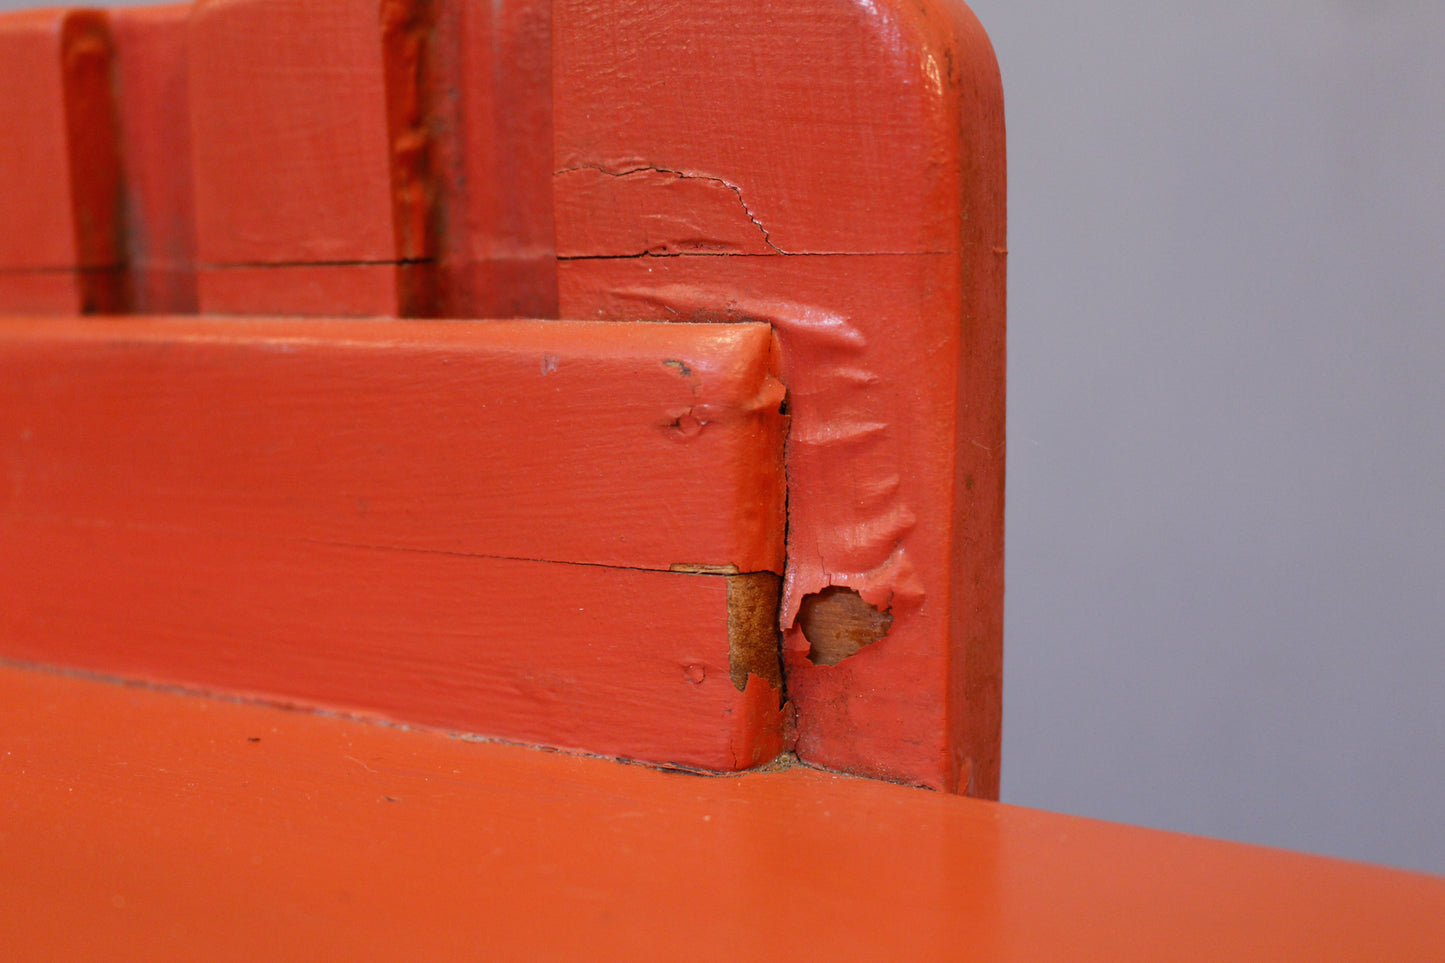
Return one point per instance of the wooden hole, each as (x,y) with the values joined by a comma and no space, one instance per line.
(838,623)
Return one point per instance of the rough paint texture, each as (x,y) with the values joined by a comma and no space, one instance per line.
(417,153)
(441,522)
(153,105)
(290,146)
(863,144)
(645,210)
(833,168)
(62,250)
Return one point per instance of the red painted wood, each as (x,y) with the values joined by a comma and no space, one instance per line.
(463,524)
(878,472)
(492,88)
(640,445)
(152,101)
(834,167)
(470,112)
(436,202)
(307,290)
(63,185)
(155,826)
(290,143)
(40,291)
(617,662)
(37,185)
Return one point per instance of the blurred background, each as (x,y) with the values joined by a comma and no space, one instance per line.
(1226,488)
(1226,546)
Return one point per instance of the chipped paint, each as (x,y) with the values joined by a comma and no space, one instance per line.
(859,541)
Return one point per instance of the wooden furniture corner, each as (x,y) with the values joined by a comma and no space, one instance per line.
(524,480)
(827,175)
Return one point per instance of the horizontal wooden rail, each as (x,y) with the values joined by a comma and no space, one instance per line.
(564,533)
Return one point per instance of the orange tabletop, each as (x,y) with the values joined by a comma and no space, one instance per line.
(155,825)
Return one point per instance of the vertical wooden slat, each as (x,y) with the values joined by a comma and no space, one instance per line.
(498,251)
(834,167)
(62,249)
(151,81)
(293,186)
(93,141)
(434,201)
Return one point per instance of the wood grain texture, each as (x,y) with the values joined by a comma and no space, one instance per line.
(865,475)
(830,124)
(463,524)
(844,183)
(611,661)
(155,826)
(37,183)
(153,105)
(834,168)
(638,445)
(440,193)
(486,94)
(61,203)
(290,143)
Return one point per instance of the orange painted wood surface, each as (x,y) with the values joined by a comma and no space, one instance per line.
(146,825)
(515,528)
(833,168)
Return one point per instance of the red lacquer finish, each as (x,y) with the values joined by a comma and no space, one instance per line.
(156,826)
(515,528)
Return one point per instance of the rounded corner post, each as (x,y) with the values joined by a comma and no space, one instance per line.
(843,164)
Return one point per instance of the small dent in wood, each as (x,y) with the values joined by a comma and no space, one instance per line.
(839,623)
(682,425)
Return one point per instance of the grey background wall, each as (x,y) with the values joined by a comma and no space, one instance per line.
(1226,607)
(1226,543)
